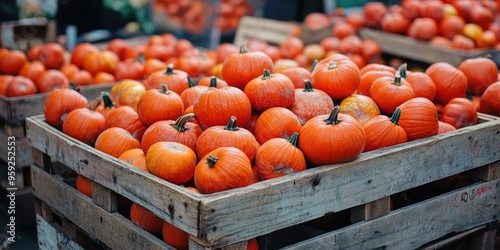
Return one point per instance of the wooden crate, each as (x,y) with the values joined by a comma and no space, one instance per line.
(404,46)
(231,217)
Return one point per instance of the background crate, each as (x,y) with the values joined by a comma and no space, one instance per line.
(233,216)
(403,46)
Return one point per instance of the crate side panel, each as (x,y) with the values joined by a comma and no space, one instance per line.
(20,149)
(112,229)
(50,237)
(415,225)
(169,201)
(275,204)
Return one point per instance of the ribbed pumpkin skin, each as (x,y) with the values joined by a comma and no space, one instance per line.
(175,79)
(278,157)
(135,157)
(145,219)
(277,122)
(368,78)
(231,169)
(382,131)
(445,128)
(175,237)
(480,72)
(227,136)
(181,130)
(324,142)
(115,141)
(60,102)
(84,124)
(459,112)
(390,92)
(450,81)
(337,75)
(422,84)
(84,185)
(490,100)
(156,105)
(419,118)
(127,118)
(171,161)
(310,102)
(270,90)
(216,106)
(240,68)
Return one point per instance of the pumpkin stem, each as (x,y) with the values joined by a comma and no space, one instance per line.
(243,48)
(403,70)
(313,65)
(72,85)
(333,118)
(180,123)
(231,125)
(308,86)
(213,82)
(94,104)
(106,98)
(190,82)
(266,75)
(395,116)
(294,139)
(164,89)
(170,69)
(211,160)
(397,79)
(332,65)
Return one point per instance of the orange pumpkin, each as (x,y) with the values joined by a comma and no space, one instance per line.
(270,90)
(174,236)
(481,72)
(171,161)
(59,103)
(382,131)
(309,102)
(337,75)
(50,80)
(175,79)
(127,118)
(84,124)
(52,55)
(459,112)
(277,122)
(145,219)
(450,81)
(396,88)
(361,107)
(419,118)
(322,139)
(115,141)
(490,100)
(84,185)
(135,157)
(128,93)
(156,105)
(222,169)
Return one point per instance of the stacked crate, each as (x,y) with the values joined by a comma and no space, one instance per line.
(279,212)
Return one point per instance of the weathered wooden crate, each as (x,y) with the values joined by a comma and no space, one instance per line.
(229,218)
(403,46)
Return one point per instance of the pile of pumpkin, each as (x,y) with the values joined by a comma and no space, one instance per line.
(191,15)
(458,24)
(254,123)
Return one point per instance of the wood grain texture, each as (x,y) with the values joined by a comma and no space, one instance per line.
(50,237)
(112,229)
(406,47)
(413,226)
(233,216)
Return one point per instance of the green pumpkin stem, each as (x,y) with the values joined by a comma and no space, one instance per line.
(213,82)
(190,82)
(211,160)
(231,125)
(308,86)
(333,118)
(266,75)
(244,49)
(180,123)
(397,79)
(294,139)
(164,89)
(106,98)
(170,69)
(73,86)
(332,65)
(395,116)
(313,65)
(403,70)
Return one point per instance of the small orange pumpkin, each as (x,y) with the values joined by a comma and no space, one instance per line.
(171,161)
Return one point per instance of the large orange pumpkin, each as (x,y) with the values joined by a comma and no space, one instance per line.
(222,169)
(481,72)
(157,105)
(382,131)
(270,90)
(145,219)
(59,103)
(332,138)
(450,81)
(115,141)
(171,161)
(419,118)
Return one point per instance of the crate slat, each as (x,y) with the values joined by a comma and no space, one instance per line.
(413,226)
(22,150)
(404,46)
(240,214)
(114,230)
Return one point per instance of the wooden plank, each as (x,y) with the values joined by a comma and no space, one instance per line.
(50,237)
(413,226)
(407,47)
(240,214)
(112,229)
(104,197)
(16,109)
(15,129)
(170,202)
(263,29)
(371,210)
